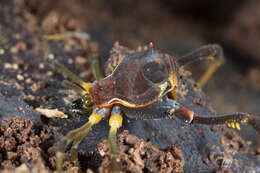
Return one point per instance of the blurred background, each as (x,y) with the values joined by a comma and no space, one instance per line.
(176,27)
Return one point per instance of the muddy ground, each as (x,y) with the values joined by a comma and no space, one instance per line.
(28,140)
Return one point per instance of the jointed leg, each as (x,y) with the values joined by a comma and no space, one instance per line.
(76,136)
(75,87)
(115,122)
(232,120)
(84,105)
(81,87)
(79,35)
(209,52)
(73,152)
(97,72)
(50,58)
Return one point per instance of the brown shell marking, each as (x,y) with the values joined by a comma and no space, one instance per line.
(139,80)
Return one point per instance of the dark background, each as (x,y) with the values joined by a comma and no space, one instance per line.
(175,27)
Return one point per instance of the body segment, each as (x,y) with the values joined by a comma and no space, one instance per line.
(137,81)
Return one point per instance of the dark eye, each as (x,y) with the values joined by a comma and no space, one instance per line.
(155,71)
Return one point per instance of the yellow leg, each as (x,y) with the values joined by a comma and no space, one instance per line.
(79,35)
(213,67)
(76,136)
(75,87)
(50,58)
(233,124)
(212,52)
(115,122)
(97,72)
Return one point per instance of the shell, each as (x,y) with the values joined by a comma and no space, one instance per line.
(140,79)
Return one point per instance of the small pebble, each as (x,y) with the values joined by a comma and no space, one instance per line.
(11,66)
(2,51)
(131,139)
(49,73)
(20,77)
(15,66)
(29,81)
(70,61)
(41,66)
(7,65)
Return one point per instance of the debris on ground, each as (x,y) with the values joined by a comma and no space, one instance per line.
(51,113)
(138,155)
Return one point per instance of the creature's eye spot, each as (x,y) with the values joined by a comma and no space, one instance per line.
(156,61)
(155,71)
